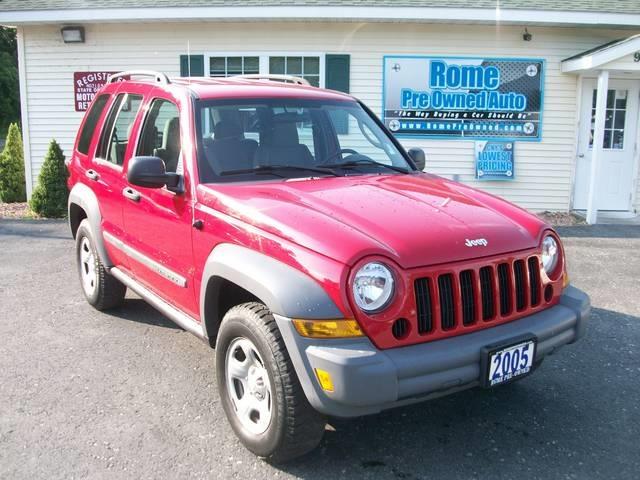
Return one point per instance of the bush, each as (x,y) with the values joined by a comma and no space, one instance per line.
(50,196)
(12,186)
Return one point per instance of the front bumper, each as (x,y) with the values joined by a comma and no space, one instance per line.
(368,380)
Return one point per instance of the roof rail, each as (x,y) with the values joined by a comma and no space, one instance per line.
(158,77)
(275,78)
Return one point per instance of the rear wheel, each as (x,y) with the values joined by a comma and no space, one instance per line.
(100,289)
(260,391)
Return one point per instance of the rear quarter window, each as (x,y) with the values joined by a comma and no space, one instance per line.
(89,126)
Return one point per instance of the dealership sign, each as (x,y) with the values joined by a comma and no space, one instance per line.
(85,87)
(460,97)
(494,160)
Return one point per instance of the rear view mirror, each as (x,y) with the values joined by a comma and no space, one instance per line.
(150,172)
(418,157)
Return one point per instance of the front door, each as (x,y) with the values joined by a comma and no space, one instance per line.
(615,179)
(157,221)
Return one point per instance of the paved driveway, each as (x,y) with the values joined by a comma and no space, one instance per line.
(128,395)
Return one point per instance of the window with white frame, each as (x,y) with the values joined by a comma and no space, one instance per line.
(236,65)
(309,66)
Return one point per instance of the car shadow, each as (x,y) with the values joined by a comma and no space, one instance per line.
(139,311)
(552,423)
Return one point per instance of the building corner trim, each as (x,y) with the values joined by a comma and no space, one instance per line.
(24,112)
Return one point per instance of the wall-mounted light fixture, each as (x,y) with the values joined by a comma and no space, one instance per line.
(526,36)
(72,34)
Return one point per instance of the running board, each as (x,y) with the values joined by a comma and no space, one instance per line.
(183,320)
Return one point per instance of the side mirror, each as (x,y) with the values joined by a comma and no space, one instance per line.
(418,157)
(150,172)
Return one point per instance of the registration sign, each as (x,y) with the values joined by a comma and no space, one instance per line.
(507,362)
(85,87)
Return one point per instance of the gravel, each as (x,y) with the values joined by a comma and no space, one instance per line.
(85,394)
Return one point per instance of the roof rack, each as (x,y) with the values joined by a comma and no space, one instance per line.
(275,78)
(158,77)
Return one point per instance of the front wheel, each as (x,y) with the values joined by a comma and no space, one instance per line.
(260,391)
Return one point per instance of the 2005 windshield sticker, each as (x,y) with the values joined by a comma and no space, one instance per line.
(454,97)
(494,160)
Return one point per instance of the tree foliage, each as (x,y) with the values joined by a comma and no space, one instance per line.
(50,196)
(9,86)
(12,185)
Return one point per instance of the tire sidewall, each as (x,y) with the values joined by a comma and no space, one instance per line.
(266,443)
(85,232)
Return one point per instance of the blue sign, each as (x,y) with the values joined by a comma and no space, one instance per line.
(494,160)
(459,97)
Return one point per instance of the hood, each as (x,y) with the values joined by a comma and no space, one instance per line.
(416,220)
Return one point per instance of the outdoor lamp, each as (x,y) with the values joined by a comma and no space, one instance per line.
(72,34)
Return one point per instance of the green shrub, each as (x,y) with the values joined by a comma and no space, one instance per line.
(50,196)
(12,186)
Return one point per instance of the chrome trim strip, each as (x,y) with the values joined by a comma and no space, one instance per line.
(146,261)
(190,324)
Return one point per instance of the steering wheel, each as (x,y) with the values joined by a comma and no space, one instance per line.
(350,151)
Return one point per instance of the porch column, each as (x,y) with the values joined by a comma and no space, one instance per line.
(597,151)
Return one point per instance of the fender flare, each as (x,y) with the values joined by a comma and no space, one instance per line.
(86,199)
(285,290)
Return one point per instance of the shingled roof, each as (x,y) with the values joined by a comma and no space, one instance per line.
(618,6)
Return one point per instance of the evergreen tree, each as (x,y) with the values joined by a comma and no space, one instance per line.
(12,185)
(9,89)
(50,196)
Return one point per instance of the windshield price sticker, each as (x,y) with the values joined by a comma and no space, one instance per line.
(457,97)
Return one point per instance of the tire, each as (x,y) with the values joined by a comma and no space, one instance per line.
(101,290)
(292,427)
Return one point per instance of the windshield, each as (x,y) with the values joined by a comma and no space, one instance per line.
(243,140)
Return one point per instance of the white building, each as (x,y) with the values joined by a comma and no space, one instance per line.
(570,50)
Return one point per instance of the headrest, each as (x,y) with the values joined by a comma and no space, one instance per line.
(171,132)
(284,134)
(227,129)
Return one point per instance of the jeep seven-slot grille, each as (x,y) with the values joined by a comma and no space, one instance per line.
(450,301)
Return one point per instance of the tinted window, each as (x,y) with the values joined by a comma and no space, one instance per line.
(161,134)
(119,124)
(90,123)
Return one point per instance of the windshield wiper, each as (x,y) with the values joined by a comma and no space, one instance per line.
(271,169)
(362,161)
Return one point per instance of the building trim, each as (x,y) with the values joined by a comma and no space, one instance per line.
(593,59)
(24,112)
(322,13)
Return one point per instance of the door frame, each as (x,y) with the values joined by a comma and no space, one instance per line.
(582,80)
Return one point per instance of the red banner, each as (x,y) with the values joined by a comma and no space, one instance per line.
(85,87)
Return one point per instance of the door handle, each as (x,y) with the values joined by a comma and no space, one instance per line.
(131,194)
(581,155)
(92,174)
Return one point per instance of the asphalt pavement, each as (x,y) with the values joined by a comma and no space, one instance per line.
(127,394)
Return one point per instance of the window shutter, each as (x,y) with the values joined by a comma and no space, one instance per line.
(337,75)
(196,62)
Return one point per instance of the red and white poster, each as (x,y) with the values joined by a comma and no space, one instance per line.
(85,87)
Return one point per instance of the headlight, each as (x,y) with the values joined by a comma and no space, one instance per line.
(549,254)
(373,287)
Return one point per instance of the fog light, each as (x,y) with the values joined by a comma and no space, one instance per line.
(324,379)
(328,328)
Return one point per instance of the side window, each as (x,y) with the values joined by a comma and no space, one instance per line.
(90,123)
(117,132)
(161,134)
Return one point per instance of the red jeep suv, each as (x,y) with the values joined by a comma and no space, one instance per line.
(286,227)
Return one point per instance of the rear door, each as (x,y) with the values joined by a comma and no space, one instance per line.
(158,221)
(105,172)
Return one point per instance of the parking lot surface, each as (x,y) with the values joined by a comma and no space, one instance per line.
(127,394)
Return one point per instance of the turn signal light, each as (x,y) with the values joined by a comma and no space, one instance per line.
(324,379)
(328,328)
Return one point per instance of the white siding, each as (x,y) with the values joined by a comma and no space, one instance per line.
(544,170)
